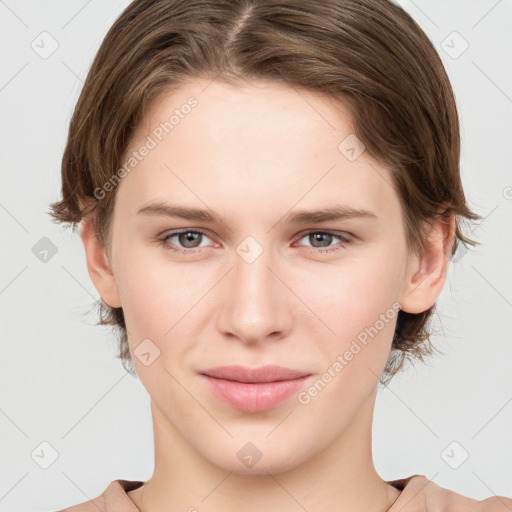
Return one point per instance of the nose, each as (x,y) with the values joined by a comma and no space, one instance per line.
(256,306)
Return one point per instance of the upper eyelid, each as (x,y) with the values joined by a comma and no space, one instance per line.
(342,234)
(175,232)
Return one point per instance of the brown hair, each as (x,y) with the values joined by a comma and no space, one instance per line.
(369,54)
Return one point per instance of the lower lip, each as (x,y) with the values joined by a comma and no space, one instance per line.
(254,397)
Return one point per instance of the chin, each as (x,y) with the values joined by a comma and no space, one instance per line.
(249,460)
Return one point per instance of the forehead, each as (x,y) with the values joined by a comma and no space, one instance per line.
(252,113)
(249,143)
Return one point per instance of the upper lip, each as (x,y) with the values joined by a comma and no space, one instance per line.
(268,373)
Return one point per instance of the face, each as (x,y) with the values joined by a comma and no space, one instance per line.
(262,282)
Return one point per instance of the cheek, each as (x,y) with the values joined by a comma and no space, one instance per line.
(355,292)
(151,293)
(161,299)
(358,302)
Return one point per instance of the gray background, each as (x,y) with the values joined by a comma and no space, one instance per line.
(60,381)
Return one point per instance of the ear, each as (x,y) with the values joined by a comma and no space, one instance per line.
(98,266)
(426,272)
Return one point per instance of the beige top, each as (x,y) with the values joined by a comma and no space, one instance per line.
(418,495)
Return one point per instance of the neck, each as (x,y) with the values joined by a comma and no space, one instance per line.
(342,477)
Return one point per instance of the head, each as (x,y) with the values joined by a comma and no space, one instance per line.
(253,111)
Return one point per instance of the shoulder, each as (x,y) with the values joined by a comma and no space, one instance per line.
(112,499)
(422,495)
(496,504)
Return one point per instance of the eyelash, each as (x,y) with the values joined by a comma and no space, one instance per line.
(164,241)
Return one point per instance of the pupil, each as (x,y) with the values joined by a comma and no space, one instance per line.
(189,237)
(326,237)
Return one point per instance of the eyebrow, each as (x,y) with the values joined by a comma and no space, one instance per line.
(338,212)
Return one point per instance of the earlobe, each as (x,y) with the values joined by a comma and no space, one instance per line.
(98,265)
(426,272)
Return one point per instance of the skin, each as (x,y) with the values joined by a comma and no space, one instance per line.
(253,153)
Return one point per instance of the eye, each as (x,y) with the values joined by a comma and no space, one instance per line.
(187,240)
(324,239)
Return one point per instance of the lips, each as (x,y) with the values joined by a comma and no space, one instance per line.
(256,375)
(254,389)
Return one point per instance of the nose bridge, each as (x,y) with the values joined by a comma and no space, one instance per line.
(251,270)
(255,304)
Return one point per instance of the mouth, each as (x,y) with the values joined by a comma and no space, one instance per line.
(254,389)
